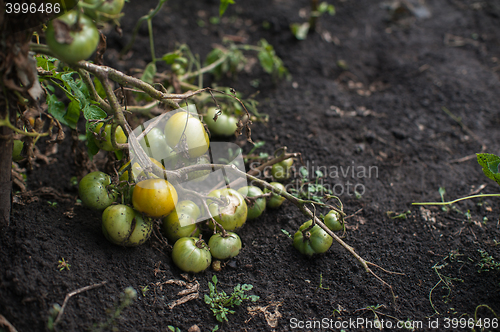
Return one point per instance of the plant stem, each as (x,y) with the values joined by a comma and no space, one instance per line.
(457,200)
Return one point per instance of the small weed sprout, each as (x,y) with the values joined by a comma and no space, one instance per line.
(144,290)
(487,262)
(63,264)
(126,299)
(320,286)
(220,302)
(173,328)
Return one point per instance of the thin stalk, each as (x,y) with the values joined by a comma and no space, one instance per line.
(457,200)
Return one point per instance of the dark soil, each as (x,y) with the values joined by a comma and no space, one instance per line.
(383,113)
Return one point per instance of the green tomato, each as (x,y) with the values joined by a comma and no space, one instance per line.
(225,125)
(333,221)
(94,191)
(225,247)
(124,226)
(198,176)
(78,43)
(108,7)
(155,145)
(258,206)
(182,221)
(191,255)
(275,200)
(313,241)
(231,216)
(281,171)
(16,150)
(184,125)
(104,142)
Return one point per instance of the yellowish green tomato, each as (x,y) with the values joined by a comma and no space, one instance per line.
(225,247)
(184,132)
(259,204)
(155,145)
(275,200)
(136,170)
(154,197)
(281,171)
(230,216)
(104,142)
(333,221)
(124,226)
(191,255)
(311,241)
(181,222)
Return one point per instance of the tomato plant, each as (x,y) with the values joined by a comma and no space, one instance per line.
(124,226)
(259,205)
(224,247)
(103,139)
(310,241)
(281,170)
(230,216)
(95,191)
(275,200)
(333,221)
(186,133)
(154,197)
(224,125)
(181,222)
(191,254)
(71,40)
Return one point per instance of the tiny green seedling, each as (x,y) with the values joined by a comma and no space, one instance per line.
(287,233)
(320,286)
(487,262)
(173,328)
(312,190)
(63,264)
(52,204)
(395,215)
(144,290)
(220,302)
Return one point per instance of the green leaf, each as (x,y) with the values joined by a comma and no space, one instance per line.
(149,73)
(214,279)
(119,154)
(319,174)
(56,109)
(490,163)
(223,6)
(169,58)
(70,83)
(247,287)
(92,148)
(99,88)
(73,114)
(254,298)
(304,172)
(93,112)
(300,31)
(208,299)
(266,61)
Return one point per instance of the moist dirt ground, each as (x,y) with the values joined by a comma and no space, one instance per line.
(391,103)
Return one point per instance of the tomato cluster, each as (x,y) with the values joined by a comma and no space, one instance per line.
(175,142)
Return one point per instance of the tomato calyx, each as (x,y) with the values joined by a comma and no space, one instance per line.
(200,244)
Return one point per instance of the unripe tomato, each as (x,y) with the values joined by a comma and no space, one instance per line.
(155,145)
(258,206)
(94,191)
(231,216)
(181,221)
(82,41)
(124,226)
(16,150)
(196,138)
(281,171)
(314,241)
(109,7)
(136,170)
(333,221)
(154,197)
(191,255)
(198,176)
(224,247)
(104,141)
(225,125)
(275,200)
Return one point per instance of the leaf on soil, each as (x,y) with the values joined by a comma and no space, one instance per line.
(271,317)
